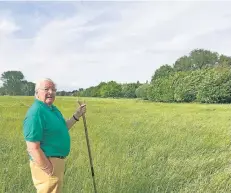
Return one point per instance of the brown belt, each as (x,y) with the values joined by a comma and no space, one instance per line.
(60,157)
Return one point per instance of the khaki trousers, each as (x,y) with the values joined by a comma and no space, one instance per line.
(45,183)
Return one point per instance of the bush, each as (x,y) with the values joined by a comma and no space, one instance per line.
(142,91)
(187,87)
(162,90)
(216,86)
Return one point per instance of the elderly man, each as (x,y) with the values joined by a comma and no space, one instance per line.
(47,138)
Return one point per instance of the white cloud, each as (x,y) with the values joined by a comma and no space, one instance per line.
(124,42)
(7,27)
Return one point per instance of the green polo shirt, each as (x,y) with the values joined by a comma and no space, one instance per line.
(46,125)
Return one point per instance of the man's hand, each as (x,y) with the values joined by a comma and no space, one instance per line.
(81,110)
(49,169)
(39,157)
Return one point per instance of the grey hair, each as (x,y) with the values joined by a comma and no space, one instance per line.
(38,83)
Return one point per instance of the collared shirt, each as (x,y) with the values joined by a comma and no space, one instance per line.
(47,125)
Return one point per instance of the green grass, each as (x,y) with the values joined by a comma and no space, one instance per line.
(137,147)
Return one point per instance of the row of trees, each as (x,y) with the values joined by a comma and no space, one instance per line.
(14,83)
(211,85)
(111,89)
(202,76)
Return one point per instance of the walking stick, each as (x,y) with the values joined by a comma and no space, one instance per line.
(89,150)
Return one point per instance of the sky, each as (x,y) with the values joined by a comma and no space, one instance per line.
(80,44)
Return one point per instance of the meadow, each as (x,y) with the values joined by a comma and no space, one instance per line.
(137,147)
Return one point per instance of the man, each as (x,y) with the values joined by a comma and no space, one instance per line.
(47,138)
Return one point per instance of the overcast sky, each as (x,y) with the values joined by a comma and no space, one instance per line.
(80,44)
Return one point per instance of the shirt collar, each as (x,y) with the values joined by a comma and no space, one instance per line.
(52,107)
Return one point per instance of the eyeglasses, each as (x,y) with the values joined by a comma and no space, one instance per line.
(48,89)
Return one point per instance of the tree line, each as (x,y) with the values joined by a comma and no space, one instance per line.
(201,76)
(14,84)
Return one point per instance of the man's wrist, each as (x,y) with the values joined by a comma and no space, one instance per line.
(49,169)
(45,168)
(76,117)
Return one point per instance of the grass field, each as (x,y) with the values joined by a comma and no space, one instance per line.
(137,147)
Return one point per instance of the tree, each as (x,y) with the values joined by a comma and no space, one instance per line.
(89,92)
(2,91)
(111,89)
(162,89)
(163,71)
(12,82)
(186,87)
(197,59)
(28,88)
(142,91)
(184,63)
(203,58)
(215,86)
(129,90)
(225,61)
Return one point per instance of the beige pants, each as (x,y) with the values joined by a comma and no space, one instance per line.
(45,183)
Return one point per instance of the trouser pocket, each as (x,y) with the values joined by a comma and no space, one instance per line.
(45,183)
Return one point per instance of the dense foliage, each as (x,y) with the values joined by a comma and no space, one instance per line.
(202,76)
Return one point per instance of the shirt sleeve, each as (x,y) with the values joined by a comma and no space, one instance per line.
(33,127)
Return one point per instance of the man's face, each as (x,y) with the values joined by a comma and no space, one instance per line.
(47,92)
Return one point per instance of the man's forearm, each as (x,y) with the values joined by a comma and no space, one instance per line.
(39,158)
(70,122)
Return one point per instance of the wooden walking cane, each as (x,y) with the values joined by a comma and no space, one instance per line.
(89,149)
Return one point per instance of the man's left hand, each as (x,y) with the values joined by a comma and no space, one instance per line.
(80,111)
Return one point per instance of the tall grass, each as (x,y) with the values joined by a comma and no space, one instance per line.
(136,146)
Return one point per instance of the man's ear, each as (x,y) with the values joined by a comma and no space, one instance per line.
(36,94)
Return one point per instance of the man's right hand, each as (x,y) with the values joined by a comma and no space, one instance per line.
(39,157)
(49,169)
